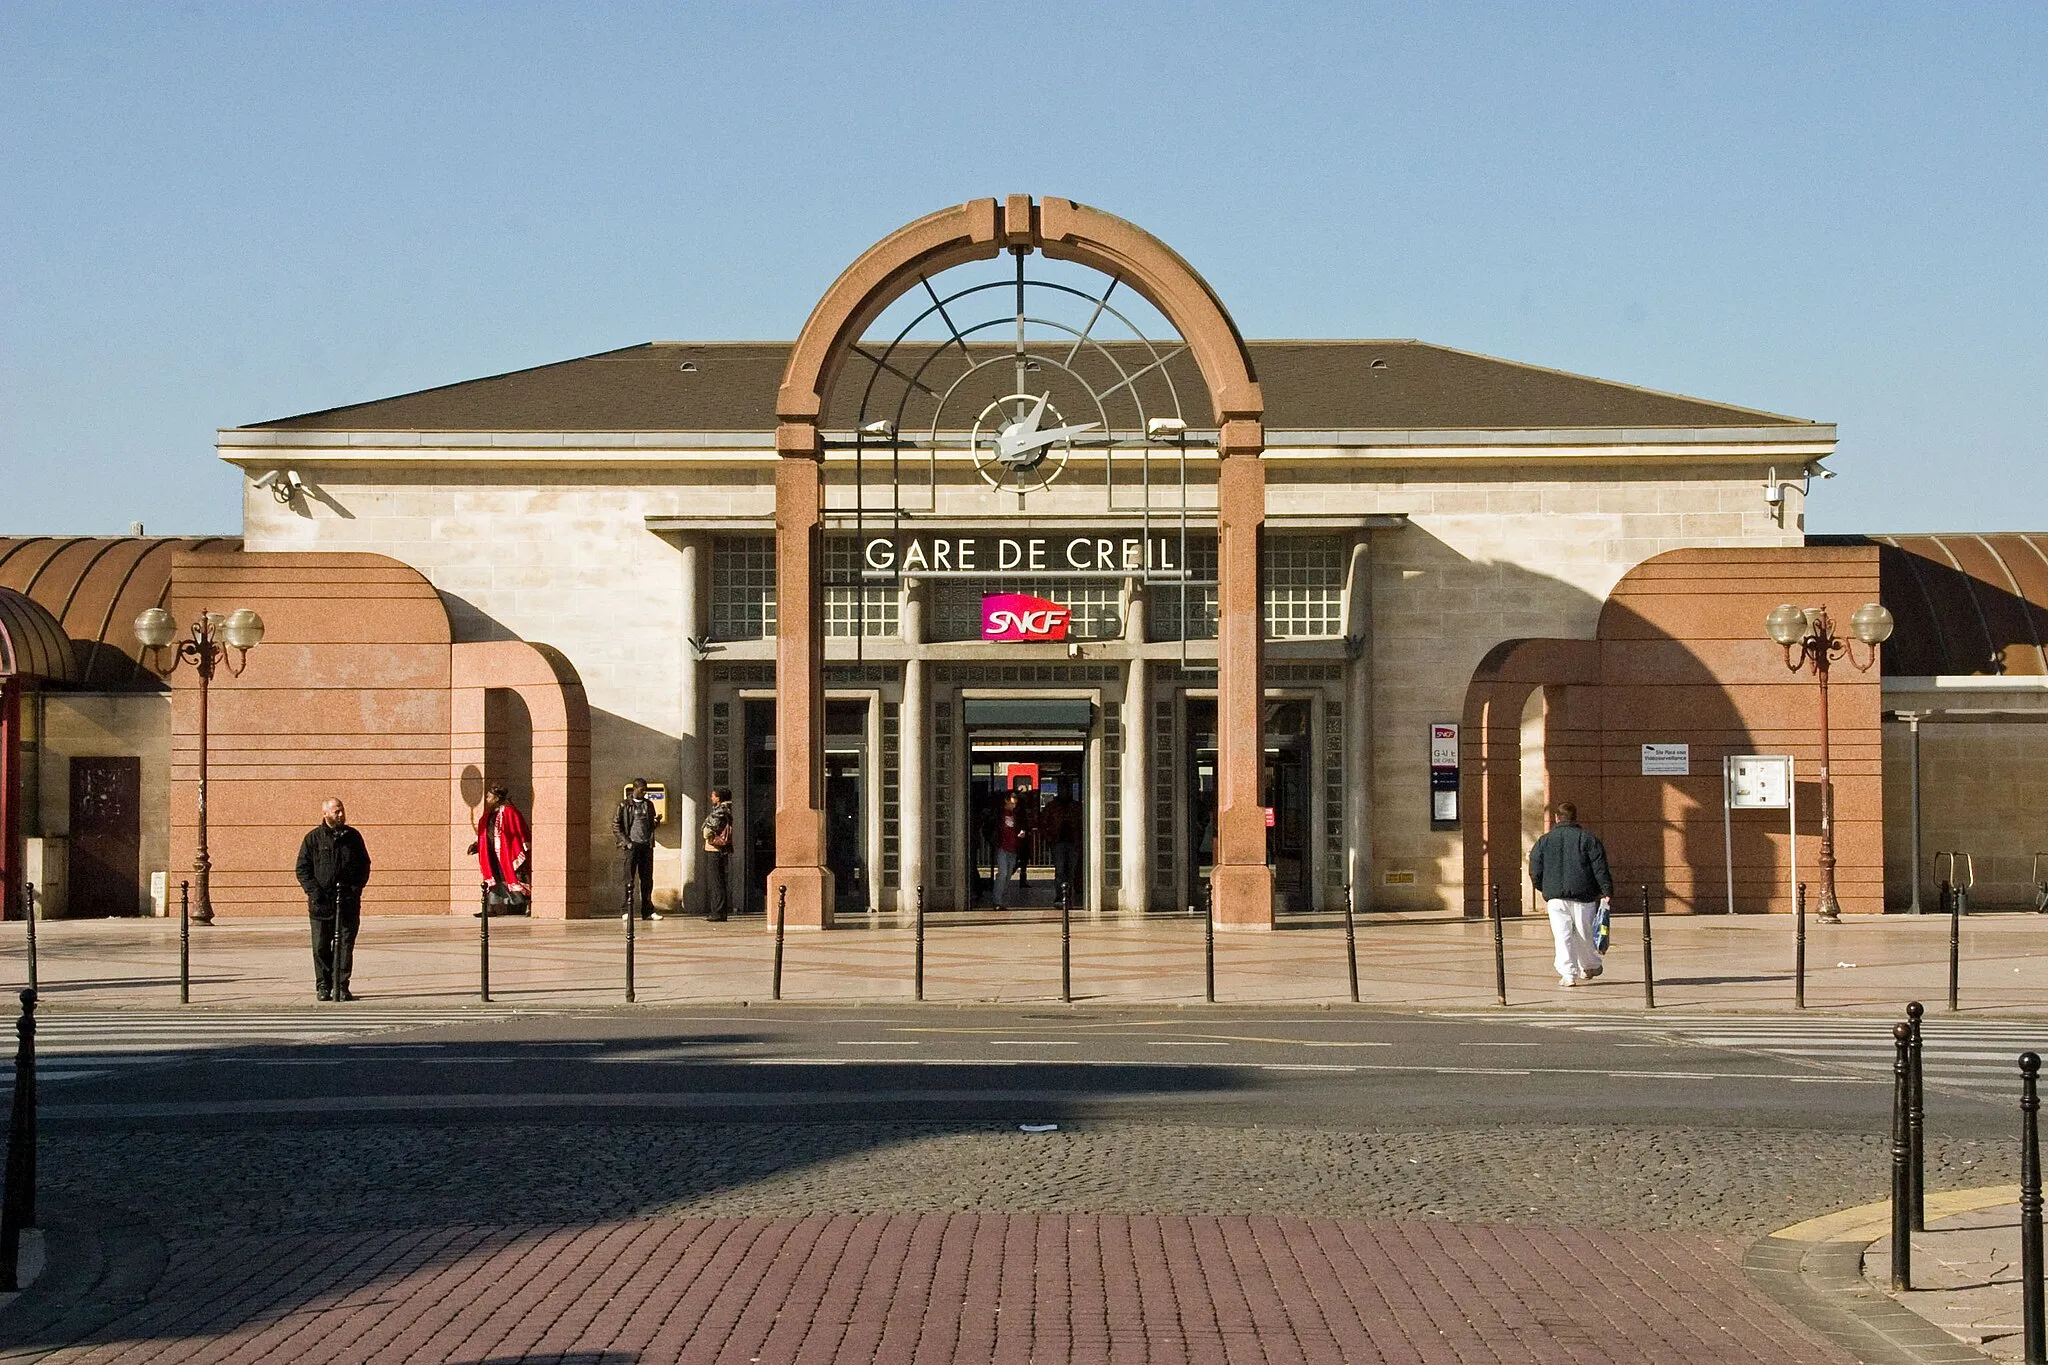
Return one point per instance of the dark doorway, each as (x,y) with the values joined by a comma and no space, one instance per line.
(757,803)
(1284,792)
(846,774)
(846,806)
(1049,777)
(106,837)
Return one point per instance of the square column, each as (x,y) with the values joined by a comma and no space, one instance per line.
(800,872)
(1241,882)
(913,795)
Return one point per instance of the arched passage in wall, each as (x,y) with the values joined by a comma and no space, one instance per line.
(536,699)
(976,231)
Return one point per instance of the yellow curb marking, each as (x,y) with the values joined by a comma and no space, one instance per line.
(1867,1222)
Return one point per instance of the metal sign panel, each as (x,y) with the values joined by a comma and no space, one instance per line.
(1443,773)
(1667,760)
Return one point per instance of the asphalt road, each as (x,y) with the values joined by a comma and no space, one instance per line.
(1314,1068)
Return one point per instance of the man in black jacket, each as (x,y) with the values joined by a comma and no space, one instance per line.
(334,866)
(1569,867)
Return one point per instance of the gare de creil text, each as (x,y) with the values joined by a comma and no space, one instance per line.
(1158,555)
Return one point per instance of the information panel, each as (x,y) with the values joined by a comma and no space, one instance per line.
(1443,773)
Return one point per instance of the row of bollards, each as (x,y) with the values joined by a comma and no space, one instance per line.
(1909,1175)
(18,1197)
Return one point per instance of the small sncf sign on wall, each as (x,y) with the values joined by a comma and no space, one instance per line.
(1018,616)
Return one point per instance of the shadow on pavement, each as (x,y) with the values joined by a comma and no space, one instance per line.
(241,1220)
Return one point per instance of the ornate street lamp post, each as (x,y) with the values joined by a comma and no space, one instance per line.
(213,635)
(1809,639)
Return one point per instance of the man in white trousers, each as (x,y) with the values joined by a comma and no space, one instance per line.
(1569,867)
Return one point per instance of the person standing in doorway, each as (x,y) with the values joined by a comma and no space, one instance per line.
(1569,867)
(634,827)
(1060,824)
(333,869)
(1009,837)
(503,851)
(717,832)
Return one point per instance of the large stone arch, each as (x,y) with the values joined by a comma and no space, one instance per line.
(979,230)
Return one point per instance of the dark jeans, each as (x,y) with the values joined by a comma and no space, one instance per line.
(325,977)
(718,880)
(1066,871)
(639,860)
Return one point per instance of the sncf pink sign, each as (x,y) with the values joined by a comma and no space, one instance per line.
(1016,616)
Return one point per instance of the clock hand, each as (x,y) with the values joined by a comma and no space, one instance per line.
(1006,440)
(1043,438)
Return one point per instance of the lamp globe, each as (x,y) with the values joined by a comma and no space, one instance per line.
(1786,624)
(243,629)
(156,628)
(1871,624)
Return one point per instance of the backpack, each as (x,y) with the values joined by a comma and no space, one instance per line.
(717,828)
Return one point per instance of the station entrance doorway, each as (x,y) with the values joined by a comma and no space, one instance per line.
(1285,792)
(1035,751)
(846,805)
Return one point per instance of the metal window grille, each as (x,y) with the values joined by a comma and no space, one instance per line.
(742,587)
(1097,605)
(1304,587)
(851,608)
(1164,842)
(942,793)
(1112,793)
(721,744)
(1165,618)
(1333,795)
(892,803)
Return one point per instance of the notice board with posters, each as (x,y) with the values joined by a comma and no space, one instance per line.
(1758,782)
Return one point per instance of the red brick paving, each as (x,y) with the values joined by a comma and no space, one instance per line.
(932,1289)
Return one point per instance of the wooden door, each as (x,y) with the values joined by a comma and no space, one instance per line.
(106,837)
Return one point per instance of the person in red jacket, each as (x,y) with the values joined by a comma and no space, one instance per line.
(503,853)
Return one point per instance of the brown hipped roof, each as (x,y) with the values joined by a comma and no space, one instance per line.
(1309,386)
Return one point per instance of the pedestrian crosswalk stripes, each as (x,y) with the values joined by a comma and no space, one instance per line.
(76,1046)
(1975,1055)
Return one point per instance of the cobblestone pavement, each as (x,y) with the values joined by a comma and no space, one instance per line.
(1101,1241)
(287,1181)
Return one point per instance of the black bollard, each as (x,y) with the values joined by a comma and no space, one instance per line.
(632,931)
(2031,1315)
(29,905)
(1209,942)
(18,1198)
(1066,946)
(920,943)
(184,943)
(781,918)
(1955,947)
(483,945)
(1799,950)
(1500,949)
(1649,962)
(1902,1221)
(1916,1123)
(1351,944)
(340,994)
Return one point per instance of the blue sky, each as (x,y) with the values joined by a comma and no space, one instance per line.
(213,214)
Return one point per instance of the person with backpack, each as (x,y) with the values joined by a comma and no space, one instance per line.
(1569,867)
(717,834)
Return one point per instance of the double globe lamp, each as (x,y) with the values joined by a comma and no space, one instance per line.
(1810,641)
(212,637)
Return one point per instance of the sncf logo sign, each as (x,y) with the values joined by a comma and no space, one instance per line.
(1016,616)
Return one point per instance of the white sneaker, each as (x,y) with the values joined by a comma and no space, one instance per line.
(1573,981)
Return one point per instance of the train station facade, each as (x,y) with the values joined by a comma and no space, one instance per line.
(1019,511)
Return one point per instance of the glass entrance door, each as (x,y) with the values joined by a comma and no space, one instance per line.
(1284,792)
(846,805)
(1028,797)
